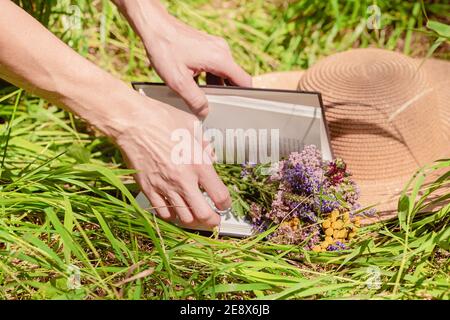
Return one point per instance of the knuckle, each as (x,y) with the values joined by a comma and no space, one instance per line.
(174,176)
(223,197)
(203,215)
(159,186)
(177,82)
(198,102)
(187,220)
(185,183)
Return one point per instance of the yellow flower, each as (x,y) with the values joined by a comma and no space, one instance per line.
(336,234)
(317,249)
(285,224)
(329,239)
(346,216)
(329,231)
(338,224)
(334,215)
(342,234)
(351,235)
(326,223)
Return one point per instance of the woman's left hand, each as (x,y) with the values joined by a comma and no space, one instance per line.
(179,52)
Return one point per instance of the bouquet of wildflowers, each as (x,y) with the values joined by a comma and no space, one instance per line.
(312,202)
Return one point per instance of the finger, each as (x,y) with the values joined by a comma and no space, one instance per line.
(185,86)
(157,202)
(159,205)
(208,149)
(229,69)
(181,209)
(162,207)
(215,188)
(237,75)
(202,211)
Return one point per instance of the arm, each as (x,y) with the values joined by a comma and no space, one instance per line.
(33,58)
(178,52)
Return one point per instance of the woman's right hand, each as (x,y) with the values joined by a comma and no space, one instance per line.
(172,187)
(34,59)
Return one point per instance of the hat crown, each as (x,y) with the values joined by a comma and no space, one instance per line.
(381,111)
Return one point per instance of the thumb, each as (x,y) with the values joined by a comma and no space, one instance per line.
(191,93)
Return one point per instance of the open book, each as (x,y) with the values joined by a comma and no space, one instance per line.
(252,125)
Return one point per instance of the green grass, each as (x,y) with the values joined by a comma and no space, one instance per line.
(66,200)
(264,35)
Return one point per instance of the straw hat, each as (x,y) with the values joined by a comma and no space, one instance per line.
(287,80)
(388,115)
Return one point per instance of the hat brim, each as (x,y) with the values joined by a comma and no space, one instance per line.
(438,72)
(286,80)
(382,170)
(384,196)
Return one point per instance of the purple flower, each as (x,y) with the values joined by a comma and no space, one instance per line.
(357,211)
(310,157)
(301,179)
(245,173)
(280,210)
(247,169)
(326,203)
(336,246)
(308,188)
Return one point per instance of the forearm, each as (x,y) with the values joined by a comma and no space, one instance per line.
(146,17)
(34,59)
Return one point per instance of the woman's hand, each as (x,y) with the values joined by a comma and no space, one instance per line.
(145,140)
(33,58)
(179,52)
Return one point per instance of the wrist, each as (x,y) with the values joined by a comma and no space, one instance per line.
(146,17)
(100,99)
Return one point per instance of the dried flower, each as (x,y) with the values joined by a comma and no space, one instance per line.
(314,203)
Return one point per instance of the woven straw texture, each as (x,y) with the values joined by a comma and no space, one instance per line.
(388,115)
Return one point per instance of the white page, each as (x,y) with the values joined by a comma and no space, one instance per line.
(298,125)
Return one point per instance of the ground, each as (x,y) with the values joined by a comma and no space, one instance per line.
(69,225)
